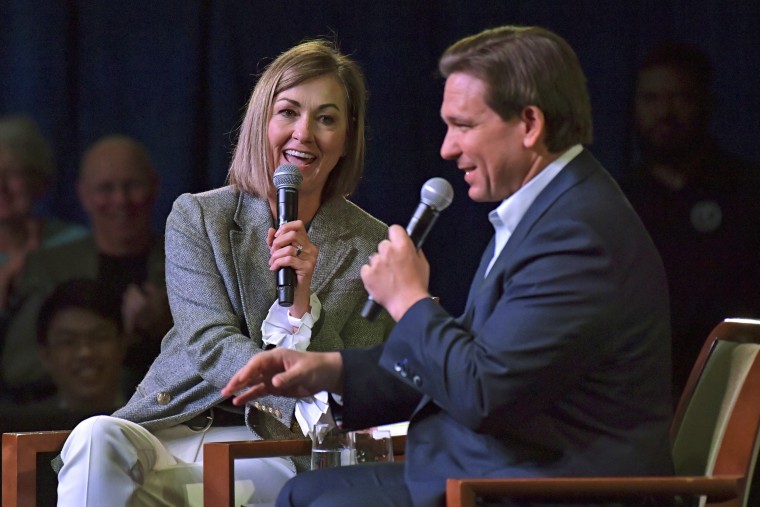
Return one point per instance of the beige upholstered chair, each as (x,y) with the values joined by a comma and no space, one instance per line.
(714,437)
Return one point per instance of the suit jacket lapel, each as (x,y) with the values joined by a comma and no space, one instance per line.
(477,280)
(573,173)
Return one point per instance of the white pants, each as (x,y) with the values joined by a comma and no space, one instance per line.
(113,462)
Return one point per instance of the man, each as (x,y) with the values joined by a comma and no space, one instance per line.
(559,365)
(117,187)
(700,204)
(82,346)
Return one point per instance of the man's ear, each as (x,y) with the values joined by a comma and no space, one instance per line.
(535,125)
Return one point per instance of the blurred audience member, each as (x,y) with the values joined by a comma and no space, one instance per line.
(27,169)
(81,345)
(117,188)
(700,204)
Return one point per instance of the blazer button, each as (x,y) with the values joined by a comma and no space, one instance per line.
(163,398)
(417,380)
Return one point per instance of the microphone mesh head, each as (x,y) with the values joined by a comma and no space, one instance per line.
(287,176)
(437,193)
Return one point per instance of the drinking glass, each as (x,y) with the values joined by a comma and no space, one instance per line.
(372,445)
(330,447)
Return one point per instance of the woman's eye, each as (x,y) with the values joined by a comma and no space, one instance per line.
(287,113)
(327,119)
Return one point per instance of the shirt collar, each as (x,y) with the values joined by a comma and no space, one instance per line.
(511,210)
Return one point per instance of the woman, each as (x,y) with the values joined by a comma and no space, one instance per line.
(308,110)
(27,169)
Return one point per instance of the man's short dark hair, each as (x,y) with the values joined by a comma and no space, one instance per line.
(523,66)
(688,58)
(88,295)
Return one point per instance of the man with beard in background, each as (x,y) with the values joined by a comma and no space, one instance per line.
(700,204)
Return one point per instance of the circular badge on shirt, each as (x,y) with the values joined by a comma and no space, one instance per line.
(706,216)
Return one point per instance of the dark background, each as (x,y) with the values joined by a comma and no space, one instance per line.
(176,74)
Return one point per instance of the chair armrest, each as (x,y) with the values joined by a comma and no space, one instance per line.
(20,464)
(219,462)
(463,492)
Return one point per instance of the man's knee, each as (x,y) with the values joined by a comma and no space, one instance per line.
(285,497)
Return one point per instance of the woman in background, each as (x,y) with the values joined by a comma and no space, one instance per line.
(27,169)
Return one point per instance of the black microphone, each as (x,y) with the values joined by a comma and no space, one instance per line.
(287,179)
(435,196)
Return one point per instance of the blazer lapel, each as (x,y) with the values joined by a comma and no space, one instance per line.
(250,256)
(327,232)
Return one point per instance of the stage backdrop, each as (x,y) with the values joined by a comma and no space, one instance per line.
(176,74)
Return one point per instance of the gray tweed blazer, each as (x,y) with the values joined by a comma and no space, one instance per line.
(220,289)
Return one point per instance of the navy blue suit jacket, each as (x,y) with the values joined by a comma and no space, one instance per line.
(559,366)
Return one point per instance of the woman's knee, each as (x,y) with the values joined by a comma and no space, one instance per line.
(96,426)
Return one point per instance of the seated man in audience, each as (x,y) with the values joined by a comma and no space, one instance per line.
(117,188)
(81,345)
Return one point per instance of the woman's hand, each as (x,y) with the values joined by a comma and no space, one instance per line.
(291,247)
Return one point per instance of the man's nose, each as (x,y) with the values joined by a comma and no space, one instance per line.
(450,147)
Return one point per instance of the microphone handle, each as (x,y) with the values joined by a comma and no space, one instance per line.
(418,228)
(287,211)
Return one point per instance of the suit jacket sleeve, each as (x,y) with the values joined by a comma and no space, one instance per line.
(371,395)
(548,329)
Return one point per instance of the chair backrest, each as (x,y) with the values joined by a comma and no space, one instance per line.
(715,428)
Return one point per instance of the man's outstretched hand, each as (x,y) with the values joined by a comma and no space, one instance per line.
(285,372)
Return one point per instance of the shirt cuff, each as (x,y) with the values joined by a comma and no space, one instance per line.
(279,329)
(309,318)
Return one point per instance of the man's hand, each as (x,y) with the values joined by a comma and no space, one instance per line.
(286,372)
(397,275)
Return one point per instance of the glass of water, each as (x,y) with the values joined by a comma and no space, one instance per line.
(372,445)
(330,447)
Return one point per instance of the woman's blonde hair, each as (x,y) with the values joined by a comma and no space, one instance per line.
(252,164)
